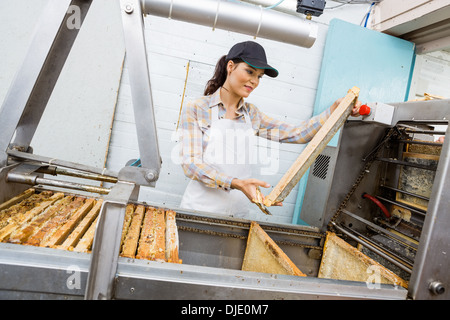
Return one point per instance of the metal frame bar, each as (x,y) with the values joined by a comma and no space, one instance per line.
(152,280)
(141,94)
(106,246)
(432,260)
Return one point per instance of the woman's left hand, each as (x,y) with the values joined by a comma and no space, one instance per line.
(355,109)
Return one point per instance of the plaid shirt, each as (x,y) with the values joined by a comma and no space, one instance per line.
(196,120)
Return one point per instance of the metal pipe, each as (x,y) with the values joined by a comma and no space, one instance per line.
(34,180)
(237,17)
(408,164)
(420,212)
(91,176)
(406,192)
(372,248)
(62,163)
(435,144)
(380,229)
(425,131)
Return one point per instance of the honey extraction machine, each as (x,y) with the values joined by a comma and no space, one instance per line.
(73,240)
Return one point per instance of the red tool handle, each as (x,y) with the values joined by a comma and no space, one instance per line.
(364,110)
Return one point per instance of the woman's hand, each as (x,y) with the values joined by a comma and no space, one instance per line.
(355,109)
(249,186)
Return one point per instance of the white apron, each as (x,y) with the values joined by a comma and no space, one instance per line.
(229,150)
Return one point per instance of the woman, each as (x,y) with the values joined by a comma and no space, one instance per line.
(217,130)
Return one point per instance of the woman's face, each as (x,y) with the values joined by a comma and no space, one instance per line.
(242,78)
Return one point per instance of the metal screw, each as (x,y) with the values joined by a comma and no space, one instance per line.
(437,287)
(129,8)
(150,176)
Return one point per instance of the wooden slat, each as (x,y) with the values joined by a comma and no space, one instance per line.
(79,231)
(26,230)
(147,237)
(172,242)
(152,239)
(131,241)
(70,223)
(127,221)
(85,243)
(15,212)
(313,149)
(264,255)
(16,199)
(60,234)
(15,223)
(159,248)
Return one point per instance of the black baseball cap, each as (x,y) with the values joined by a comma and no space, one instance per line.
(254,55)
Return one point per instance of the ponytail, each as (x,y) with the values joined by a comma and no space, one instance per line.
(219,77)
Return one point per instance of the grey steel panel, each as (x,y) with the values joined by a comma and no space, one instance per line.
(106,246)
(28,272)
(153,280)
(431,277)
(222,245)
(318,187)
(9,190)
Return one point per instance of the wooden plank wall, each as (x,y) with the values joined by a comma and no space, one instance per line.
(289,97)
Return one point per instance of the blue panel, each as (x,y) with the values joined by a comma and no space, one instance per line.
(379,64)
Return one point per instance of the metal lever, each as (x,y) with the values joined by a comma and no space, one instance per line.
(141,93)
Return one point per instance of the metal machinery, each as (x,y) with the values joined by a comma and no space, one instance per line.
(211,246)
(364,183)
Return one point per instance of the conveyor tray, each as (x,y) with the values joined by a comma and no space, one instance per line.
(46,253)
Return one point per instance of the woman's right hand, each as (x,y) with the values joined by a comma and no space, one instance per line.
(249,186)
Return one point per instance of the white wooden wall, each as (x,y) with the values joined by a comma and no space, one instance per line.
(93,91)
(77,121)
(182,54)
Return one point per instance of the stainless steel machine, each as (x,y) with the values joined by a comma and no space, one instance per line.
(212,246)
(377,170)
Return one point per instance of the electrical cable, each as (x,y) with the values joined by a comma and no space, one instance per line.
(357,1)
(275,5)
(345,2)
(368,14)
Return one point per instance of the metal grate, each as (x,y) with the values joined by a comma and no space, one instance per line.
(321,164)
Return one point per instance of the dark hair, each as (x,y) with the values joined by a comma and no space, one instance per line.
(219,77)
